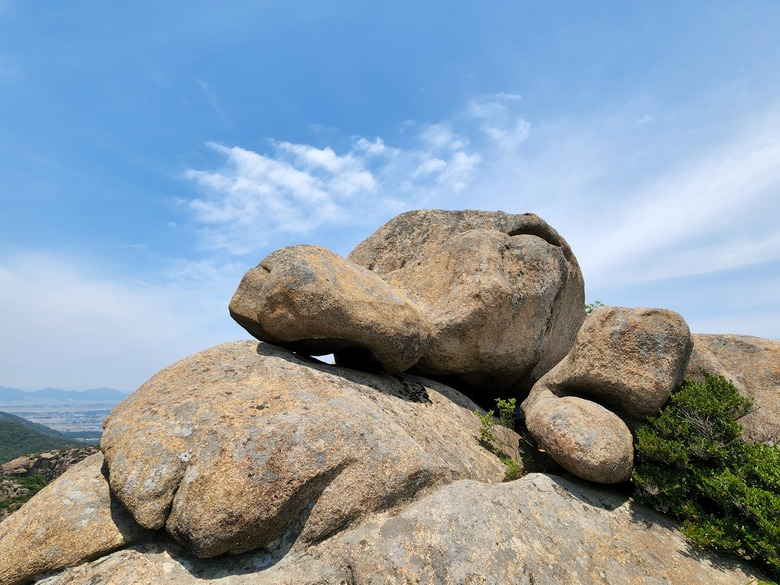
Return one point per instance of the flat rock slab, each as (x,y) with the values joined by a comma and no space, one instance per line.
(540,530)
(248,446)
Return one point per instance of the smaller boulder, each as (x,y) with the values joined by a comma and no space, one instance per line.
(585,438)
(626,360)
(311,300)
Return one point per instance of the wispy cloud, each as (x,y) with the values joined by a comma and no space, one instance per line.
(714,211)
(213,100)
(634,206)
(66,325)
(298,188)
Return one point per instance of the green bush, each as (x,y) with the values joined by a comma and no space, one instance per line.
(692,463)
(488,439)
(594,305)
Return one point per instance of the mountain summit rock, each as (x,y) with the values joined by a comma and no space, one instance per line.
(254,463)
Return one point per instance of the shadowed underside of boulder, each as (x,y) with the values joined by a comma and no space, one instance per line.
(540,530)
(246,446)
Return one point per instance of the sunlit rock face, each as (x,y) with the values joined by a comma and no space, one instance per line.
(484,300)
(622,368)
(245,445)
(254,463)
(753,365)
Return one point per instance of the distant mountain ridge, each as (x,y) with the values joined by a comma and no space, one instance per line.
(7,417)
(108,395)
(19,437)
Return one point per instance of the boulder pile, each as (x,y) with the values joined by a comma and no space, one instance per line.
(253,463)
(483,300)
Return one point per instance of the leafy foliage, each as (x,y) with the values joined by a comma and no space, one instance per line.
(692,463)
(488,438)
(590,306)
(31,484)
(506,412)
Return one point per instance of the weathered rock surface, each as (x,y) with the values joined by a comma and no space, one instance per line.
(628,361)
(308,299)
(541,530)
(72,520)
(503,293)
(585,438)
(246,446)
(753,365)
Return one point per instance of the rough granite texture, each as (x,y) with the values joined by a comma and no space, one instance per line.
(308,299)
(538,530)
(623,360)
(70,521)
(245,446)
(503,293)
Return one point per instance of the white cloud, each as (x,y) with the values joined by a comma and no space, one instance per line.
(640,202)
(432,165)
(508,138)
(64,325)
(440,136)
(254,199)
(458,171)
(715,211)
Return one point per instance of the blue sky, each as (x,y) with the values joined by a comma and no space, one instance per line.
(152,152)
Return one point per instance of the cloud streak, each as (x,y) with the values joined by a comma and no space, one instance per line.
(635,215)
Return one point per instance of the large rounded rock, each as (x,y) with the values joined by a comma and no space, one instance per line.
(753,366)
(625,360)
(71,521)
(308,299)
(503,293)
(248,446)
(628,360)
(540,529)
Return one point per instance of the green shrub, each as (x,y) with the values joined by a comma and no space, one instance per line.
(33,483)
(488,439)
(506,412)
(692,463)
(594,305)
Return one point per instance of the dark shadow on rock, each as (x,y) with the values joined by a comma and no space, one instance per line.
(481,389)
(403,386)
(261,559)
(123,520)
